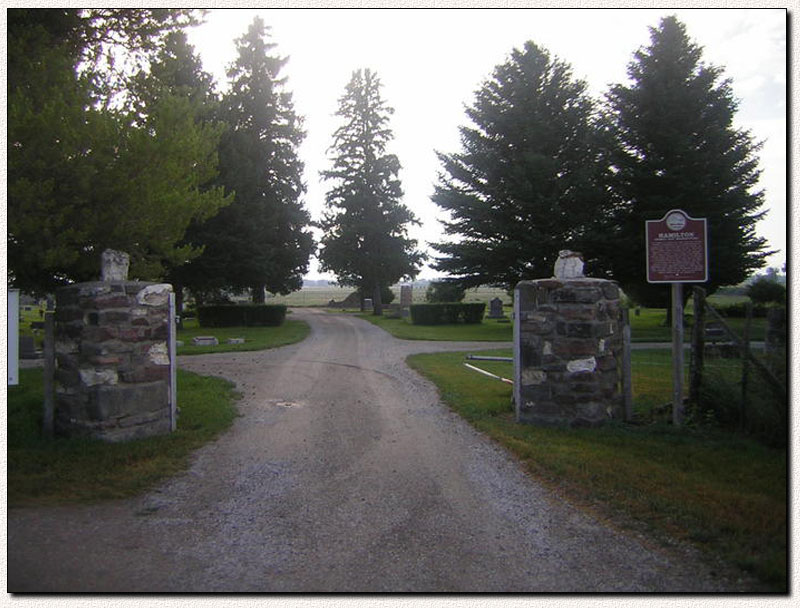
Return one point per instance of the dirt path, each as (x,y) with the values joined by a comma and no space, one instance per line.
(344,473)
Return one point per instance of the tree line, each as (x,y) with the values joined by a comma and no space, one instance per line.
(118,138)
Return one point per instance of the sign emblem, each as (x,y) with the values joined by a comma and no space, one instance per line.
(677,249)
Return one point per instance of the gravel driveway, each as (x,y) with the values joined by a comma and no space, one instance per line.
(343,473)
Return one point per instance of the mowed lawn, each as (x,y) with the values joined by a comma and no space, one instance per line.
(722,492)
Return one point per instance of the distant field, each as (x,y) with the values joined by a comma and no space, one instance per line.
(320,296)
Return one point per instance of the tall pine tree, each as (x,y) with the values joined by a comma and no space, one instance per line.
(366,242)
(529,180)
(677,148)
(261,240)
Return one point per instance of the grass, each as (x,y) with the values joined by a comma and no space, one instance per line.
(56,471)
(648,326)
(256,338)
(490,330)
(721,492)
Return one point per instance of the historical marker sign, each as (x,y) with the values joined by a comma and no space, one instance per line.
(677,249)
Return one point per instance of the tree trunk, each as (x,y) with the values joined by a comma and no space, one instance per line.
(257,293)
(178,288)
(377,305)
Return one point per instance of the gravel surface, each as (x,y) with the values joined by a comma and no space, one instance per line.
(343,473)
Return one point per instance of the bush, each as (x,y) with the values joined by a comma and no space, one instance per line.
(251,315)
(766,291)
(447,313)
(739,311)
(444,291)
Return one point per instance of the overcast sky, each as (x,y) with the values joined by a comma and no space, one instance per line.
(431,62)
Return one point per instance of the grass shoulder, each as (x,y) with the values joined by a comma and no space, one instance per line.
(255,338)
(62,470)
(721,492)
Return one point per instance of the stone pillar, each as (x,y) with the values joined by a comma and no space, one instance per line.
(112,376)
(567,338)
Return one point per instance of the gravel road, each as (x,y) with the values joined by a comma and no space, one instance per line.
(343,473)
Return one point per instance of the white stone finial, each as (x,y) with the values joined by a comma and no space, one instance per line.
(569,265)
(114,265)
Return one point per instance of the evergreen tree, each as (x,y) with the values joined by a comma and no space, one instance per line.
(260,241)
(677,149)
(529,181)
(366,243)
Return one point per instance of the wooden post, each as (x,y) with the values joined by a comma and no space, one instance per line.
(745,363)
(698,346)
(627,386)
(677,354)
(48,417)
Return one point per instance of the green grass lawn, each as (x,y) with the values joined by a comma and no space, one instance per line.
(648,326)
(490,330)
(256,338)
(722,492)
(55,471)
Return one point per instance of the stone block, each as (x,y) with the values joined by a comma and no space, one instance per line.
(574,348)
(93,376)
(143,373)
(114,317)
(106,402)
(154,295)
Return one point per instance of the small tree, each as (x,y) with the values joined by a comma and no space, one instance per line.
(766,290)
(366,243)
(445,291)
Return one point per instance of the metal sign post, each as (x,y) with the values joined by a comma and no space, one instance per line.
(677,253)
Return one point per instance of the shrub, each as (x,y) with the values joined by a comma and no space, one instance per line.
(739,311)
(766,291)
(445,313)
(250,315)
(444,291)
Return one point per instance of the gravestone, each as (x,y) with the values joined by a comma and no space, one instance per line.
(205,341)
(405,296)
(367,303)
(496,308)
(27,348)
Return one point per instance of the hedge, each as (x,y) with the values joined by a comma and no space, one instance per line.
(739,310)
(446,313)
(250,315)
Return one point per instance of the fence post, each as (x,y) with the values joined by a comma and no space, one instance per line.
(48,416)
(627,386)
(746,362)
(698,347)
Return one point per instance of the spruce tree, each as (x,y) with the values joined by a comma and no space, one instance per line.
(366,242)
(529,179)
(259,242)
(677,148)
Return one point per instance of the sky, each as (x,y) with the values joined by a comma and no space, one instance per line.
(432,61)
